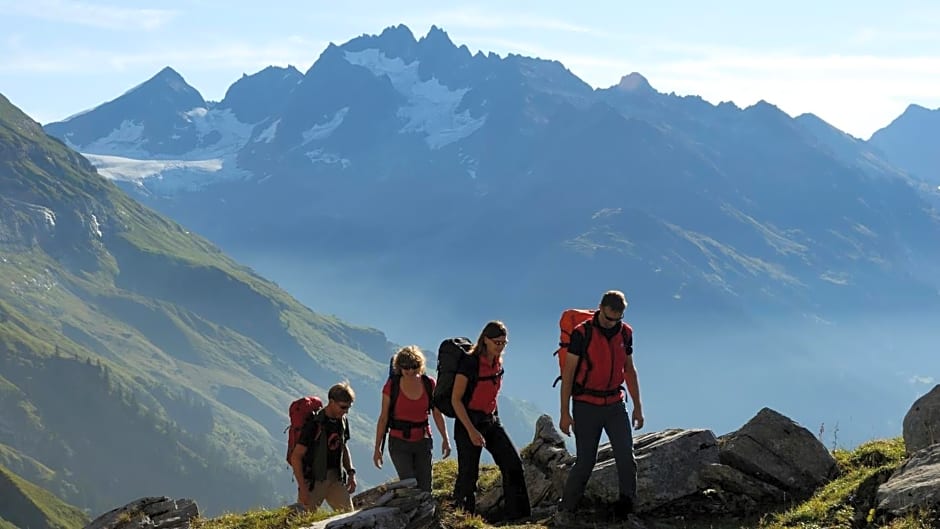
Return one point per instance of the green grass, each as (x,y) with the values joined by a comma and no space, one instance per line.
(830,507)
(36,507)
(283,518)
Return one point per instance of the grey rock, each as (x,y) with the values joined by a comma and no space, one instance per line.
(776,450)
(922,422)
(149,512)
(668,466)
(915,484)
(393,505)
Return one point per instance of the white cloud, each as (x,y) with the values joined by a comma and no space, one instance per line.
(88,14)
(921,380)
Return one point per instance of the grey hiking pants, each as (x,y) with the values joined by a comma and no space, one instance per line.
(589,421)
(412,459)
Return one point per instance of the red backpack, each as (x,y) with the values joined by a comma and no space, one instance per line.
(570,319)
(300,410)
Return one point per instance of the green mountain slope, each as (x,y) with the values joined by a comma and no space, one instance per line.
(135,357)
(28,505)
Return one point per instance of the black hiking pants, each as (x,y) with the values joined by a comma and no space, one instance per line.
(412,459)
(506,457)
(589,421)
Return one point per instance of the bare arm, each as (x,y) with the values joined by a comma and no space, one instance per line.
(442,428)
(456,400)
(632,380)
(567,382)
(347,458)
(380,428)
(297,464)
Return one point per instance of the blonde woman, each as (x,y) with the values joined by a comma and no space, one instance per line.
(406,410)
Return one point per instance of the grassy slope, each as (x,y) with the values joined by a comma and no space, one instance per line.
(28,505)
(179,327)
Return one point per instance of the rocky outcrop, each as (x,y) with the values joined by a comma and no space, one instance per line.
(149,513)
(767,462)
(778,451)
(914,486)
(922,422)
(394,505)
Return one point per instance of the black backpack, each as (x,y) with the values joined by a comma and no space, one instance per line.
(450,354)
(395,390)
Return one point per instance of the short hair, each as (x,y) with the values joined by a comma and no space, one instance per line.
(342,392)
(411,354)
(614,299)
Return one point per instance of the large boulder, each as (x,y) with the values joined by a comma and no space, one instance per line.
(668,468)
(778,451)
(159,512)
(914,486)
(922,422)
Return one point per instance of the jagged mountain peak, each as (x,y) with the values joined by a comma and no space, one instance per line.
(166,82)
(634,82)
(261,95)
(437,36)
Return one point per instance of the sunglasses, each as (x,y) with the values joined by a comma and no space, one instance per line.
(405,365)
(499,342)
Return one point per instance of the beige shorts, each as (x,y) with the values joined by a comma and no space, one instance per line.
(333,491)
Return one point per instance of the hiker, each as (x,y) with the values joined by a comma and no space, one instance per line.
(479,375)
(321,460)
(600,358)
(406,408)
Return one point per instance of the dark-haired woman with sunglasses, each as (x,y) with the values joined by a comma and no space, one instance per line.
(476,388)
(406,408)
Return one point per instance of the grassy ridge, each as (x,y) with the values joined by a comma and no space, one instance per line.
(28,505)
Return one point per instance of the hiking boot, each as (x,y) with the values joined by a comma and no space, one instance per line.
(623,508)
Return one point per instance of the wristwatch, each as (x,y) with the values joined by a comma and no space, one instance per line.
(351,471)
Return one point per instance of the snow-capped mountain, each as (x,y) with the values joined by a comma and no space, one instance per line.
(369,152)
(410,184)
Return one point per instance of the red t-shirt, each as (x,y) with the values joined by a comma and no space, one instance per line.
(411,410)
(484,395)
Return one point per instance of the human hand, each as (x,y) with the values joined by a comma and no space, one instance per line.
(351,484)
(637,418)
(445,448)
(566,423)
(377,458)
(476,438)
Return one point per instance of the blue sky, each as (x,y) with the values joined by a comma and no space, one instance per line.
(856,65)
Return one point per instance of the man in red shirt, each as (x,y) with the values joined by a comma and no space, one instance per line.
(600,359)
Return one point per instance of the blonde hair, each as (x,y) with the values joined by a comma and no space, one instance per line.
(409,354)
(342,392)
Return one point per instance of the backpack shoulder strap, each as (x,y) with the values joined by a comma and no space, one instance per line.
(429,390)
(393,395)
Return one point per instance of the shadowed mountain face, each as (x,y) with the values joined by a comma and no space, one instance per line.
(911,142)
(424,189)
(137,359)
